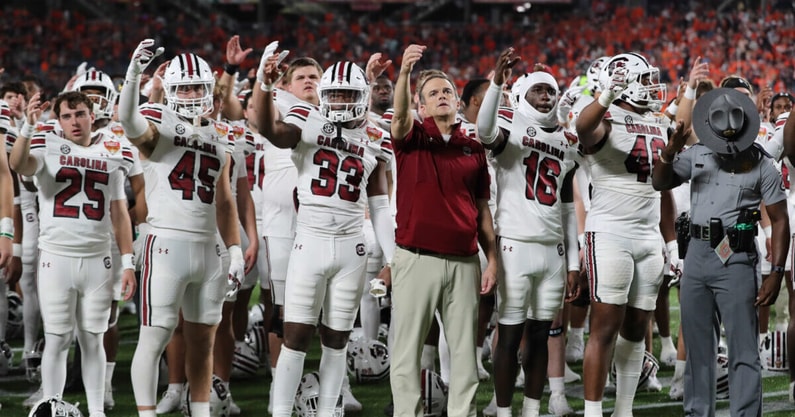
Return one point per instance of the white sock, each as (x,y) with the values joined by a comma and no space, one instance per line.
(667,343)
(109,368)
(593,409)
(199,409)
(145,366)
(556,386)
(504,412)
(679,369)
(286,379)
(93,366)
(147,413)
(628,357)
(576,333)
(176,387)
(531,407)
(428,359)
(332,371)
(53,363)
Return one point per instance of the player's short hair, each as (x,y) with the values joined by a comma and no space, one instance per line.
(704,86)
(784,94)
(301,62)
(428,75)
(16,87)
(72,100)
(472,88)
(246,98)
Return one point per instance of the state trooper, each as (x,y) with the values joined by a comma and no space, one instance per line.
(730,176)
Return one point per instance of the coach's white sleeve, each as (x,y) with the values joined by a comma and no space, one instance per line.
(382,225)
(487,115)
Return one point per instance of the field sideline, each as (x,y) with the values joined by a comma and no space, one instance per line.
(251,395)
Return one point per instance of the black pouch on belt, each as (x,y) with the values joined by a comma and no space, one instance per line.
(715,232)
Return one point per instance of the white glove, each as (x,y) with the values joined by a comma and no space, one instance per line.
(237,268)
(618,83)
(567,101)
(141,58)
(675,265)
(269,50)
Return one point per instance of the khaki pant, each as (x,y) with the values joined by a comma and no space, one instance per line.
(422,284)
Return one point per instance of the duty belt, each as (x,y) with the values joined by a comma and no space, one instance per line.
(700,232)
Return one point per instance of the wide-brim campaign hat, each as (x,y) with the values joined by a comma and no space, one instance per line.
(726,121)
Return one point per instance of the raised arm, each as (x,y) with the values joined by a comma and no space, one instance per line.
(698,73)
(591,128)
(20,159)
(488,132)
(282,135)
(137,129)
(403,120)
(235,55)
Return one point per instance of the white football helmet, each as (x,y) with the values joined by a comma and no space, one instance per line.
(257,338)
(344,93)
(773,351)
(306,398)
(6,358)
(220,399)
(246,361)
(518,91)
(54,407)
(32,362)
(14,324)
(189,71)
(434,394)
(256,316)
(368,360)
(644,89)
(594,72)
(650,368)
(103,102)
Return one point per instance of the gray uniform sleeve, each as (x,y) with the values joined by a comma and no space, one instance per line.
(683,165)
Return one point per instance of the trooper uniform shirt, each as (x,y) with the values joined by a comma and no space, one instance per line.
(721,194)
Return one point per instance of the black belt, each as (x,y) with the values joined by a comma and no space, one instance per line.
(700,232)
(420,251)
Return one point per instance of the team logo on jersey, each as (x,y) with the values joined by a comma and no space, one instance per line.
(29,218)
(467,150)
(373,133)
(65,149)
(112,146)
(238,131)
(221,129)
(117,130)
(560,249)
(570,137)
(360,249)
(531,131)
(180,129)
(628,120)
(107,263)
(328,128)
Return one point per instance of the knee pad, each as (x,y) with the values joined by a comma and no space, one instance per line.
(277,322)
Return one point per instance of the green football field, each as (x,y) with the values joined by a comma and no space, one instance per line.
(251,395)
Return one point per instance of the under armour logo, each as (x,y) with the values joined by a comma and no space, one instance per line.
(164,251)
(45,264)
(507,248)
(299,247)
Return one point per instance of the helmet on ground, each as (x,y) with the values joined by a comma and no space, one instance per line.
(246,361)
(14,324)
(257,338)
(649,368)
(368,360)
(344,93)
(434,394)
(256,315)
(220,400)
(773,351)
(54,407)
(188,84)
(32,362)
(101,82)
(722,377)
(307,397)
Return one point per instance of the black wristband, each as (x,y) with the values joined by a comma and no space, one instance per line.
(231,69)
(777,268)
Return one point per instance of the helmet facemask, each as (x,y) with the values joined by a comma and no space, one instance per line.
(104,96)
(645,90)
(188,73)
(344,93)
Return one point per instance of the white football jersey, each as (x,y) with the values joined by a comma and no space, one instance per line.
(530,168)
(255,170)
(244,145)
(76,186)
(115,131)
(333,172)
(182,172)
(623,201)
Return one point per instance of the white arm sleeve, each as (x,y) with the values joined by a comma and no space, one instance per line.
(381,217)
(487,116)
(569,217)
(131,119)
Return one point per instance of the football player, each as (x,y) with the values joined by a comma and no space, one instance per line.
(81,195)
(341,160)
(186,160)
